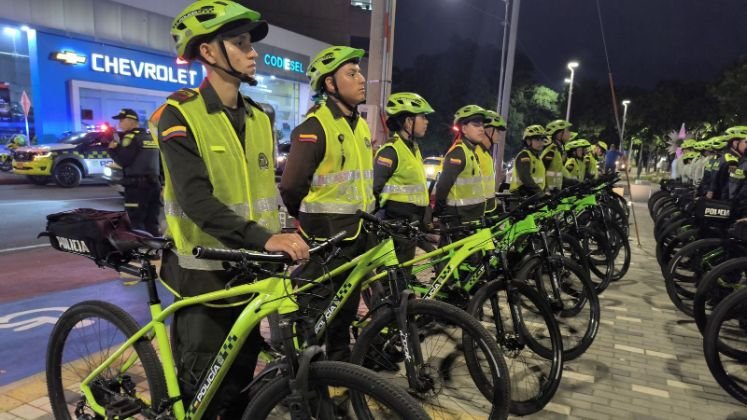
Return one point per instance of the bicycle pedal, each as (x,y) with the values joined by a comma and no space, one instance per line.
(122,407)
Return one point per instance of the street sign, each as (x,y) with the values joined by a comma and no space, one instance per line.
(25,103)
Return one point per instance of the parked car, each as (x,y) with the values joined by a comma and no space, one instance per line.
(74,157)
(433,166)
(113,175)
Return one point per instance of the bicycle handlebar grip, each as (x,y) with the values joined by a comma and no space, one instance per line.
(217,254)
(368,217)
(334,240)
(239,255)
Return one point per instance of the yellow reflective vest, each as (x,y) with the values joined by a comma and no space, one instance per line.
(467,189)
(576,168)
(243,178)
(555,171)
(343,182)
(485,158)
(538,171)
(407,184)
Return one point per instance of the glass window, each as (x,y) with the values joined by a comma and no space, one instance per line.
(284,97)
(15,77)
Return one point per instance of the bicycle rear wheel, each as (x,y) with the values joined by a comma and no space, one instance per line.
(463,372)
(82,339)
(336,390)
(525,329)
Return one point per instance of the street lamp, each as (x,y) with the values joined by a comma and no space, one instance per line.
(572,67)
(625,104)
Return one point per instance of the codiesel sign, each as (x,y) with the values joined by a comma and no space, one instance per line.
(282,63)
(142,70)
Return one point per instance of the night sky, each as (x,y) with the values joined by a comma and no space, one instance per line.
(648,40)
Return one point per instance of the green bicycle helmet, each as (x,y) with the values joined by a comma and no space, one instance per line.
(603,145)
(719,142)
(203,18)
(737,129)
(494,119)
(328,61)
(573,136)
(535,130)
(18,140)
(557,125)
(575,144)
(469,112)
(688,144)
(407,102)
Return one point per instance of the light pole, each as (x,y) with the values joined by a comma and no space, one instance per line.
(572,67)
(625,104)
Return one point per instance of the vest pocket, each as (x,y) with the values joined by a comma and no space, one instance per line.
(218,149)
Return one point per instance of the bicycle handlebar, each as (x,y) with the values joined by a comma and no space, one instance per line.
(237,255)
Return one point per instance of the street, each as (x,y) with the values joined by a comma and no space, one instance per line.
(25,206)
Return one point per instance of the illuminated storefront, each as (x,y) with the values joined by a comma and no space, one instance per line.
(75,83)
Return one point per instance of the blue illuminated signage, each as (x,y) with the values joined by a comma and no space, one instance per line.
(284,63)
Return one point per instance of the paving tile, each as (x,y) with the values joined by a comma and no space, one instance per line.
(651,391)
(629,348)
(28,411)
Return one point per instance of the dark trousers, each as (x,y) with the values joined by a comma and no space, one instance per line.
(143,204)
(313,304)
(198,332)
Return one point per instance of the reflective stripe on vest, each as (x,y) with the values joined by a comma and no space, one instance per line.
(467,189)
(343,181)
(488,176)
(407,184)
(244,180)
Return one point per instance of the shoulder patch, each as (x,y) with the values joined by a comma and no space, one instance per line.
(183,95)
(172,132)
(381,160)
(307,138)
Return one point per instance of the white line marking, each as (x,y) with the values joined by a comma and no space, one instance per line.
(21,248)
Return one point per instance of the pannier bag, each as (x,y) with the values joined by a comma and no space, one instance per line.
(713,210)
(86,232)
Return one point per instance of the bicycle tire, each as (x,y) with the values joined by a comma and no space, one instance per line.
(77,319)
(579,297)
(544,341)
(655,197)
(680,288)
(734,304)
(325,374)
(604,275)
(710,292)
(377,347)
(619,243)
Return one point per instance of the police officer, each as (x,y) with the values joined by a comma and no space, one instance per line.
(553,156)
(459,190)
(719,188)
(528,177)
(140,161)
(328,177)
(574,163)
(400,186)
(715,145)
(495,132)
(217,149)
(737,189)
(593,157)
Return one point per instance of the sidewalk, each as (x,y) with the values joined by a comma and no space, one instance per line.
(9,178)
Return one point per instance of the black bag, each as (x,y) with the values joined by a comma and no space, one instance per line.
(86,232)
(713,210)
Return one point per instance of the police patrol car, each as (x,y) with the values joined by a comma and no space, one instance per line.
(74,157)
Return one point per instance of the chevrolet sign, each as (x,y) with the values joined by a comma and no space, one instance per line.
(68,57)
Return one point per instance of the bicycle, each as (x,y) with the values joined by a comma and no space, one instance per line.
(306,386)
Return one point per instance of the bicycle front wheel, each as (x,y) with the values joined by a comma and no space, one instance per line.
(336,390)
(727,328)
(83,338)
(460,370)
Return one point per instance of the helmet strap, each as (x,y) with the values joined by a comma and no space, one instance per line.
(336,94)
(231,71)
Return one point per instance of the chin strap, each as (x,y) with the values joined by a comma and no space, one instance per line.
(230,70)
(353,108)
